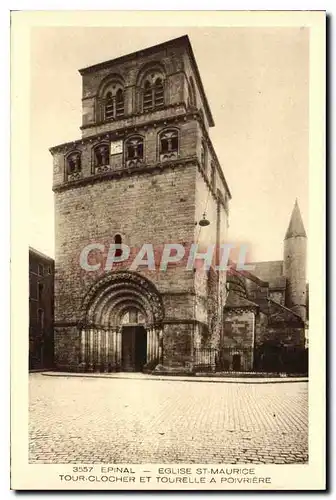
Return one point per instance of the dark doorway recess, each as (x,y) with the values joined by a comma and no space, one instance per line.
(236,363)
(134,348)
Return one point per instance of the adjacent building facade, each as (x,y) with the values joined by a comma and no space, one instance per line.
(41,311)
(145,171)
(265,314)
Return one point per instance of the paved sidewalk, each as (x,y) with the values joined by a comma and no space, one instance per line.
(196,378)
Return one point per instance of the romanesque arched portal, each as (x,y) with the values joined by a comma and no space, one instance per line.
(121,324)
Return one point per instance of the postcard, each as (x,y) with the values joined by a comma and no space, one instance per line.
(168,246)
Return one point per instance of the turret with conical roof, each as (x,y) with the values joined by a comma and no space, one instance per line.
(296,227)
(295,254)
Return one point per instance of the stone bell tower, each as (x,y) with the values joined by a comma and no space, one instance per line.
(143,172)
(295,255)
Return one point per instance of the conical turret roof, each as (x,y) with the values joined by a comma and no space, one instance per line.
(296,227)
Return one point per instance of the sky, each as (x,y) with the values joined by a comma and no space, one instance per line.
(257,84)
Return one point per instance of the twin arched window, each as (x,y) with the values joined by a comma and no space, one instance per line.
(73,166)
(134,151)
(153,98)
(114,104)
(134,148)
(101,154)
(169,144)
(153,94)
(74,163)
(150,93)
(168,147)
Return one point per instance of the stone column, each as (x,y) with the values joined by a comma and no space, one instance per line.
(157,340)
(160,346)
(99,335)
(118,348)
(153,344)
(104,352)
(114,340)
(91,332)
(82,351)
(149,344)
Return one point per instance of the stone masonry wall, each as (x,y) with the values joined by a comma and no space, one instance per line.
(146,208)
(177,346)
(238,328)
(238,336)
(295,250)
(67,347)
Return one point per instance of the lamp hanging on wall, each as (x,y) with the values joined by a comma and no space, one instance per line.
(204,222)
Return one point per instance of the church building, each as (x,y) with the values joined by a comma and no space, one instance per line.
(145,172)
(266,310)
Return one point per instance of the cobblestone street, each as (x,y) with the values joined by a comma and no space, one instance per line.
(97,420)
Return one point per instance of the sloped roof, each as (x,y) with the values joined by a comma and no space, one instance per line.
(278,283)
(243,274)
(268,270)
(236,300)
(278,312)
(296,227)
(37,253)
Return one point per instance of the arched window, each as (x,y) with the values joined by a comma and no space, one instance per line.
(74,163)
(147,96)
(74,166)
(169,144)
(113,103)
(158,93)
(118,241)
(119,103)
(134,151)
(109,108)
(101,157)
(153,94)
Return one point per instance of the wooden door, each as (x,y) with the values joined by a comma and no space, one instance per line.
(128,348)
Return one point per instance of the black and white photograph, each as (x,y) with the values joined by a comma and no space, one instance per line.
(170,235)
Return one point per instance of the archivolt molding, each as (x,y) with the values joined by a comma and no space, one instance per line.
(111,82)
(112,294)
(110,312)
(153,67)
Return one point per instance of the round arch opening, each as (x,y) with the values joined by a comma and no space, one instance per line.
(121,327)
